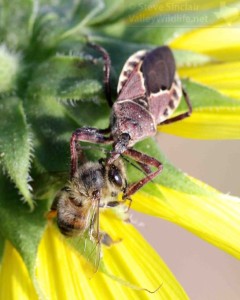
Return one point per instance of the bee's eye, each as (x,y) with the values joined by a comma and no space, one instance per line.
(115,176)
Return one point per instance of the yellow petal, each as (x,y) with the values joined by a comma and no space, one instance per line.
(224,77)
(15,282)
(208,123)
(61,271)
(219,39)
(214,217)
(134,258)
(220,43)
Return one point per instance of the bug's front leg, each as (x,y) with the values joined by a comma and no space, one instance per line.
(106,70)
(146,160)
(86,134)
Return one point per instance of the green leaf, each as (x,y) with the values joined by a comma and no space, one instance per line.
(203,96)
(84,12)
(9,67)
(53,121)
(117,10)
(67,78)
(46,30)
(50,124)
(15,145)
(82,110)
(22,228)
(14,22)
(53,124)
(109,11)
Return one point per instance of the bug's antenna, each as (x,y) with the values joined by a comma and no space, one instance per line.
(105,151)
(85,147)
(132,164)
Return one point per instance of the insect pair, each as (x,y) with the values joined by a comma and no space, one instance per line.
(149,90)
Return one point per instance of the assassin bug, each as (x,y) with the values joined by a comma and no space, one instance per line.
(149,90)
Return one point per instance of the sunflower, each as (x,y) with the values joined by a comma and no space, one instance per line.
(50,85)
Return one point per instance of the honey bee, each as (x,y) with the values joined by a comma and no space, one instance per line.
(93,186)
(76,206)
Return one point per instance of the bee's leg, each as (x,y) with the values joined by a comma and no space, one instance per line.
(112,204)
(183,115)
(94,233)
(51,214)
(106,70)
(146,160)
(127,198)
(53,210)
(86,134)
(107,240)
(123,211)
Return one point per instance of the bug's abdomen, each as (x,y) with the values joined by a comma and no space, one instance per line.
(163,104)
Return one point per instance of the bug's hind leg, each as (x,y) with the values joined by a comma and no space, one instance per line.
(145,160)
(106,70)
(146,169)
(183,115)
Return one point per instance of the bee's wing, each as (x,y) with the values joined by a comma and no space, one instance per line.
(94,255)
